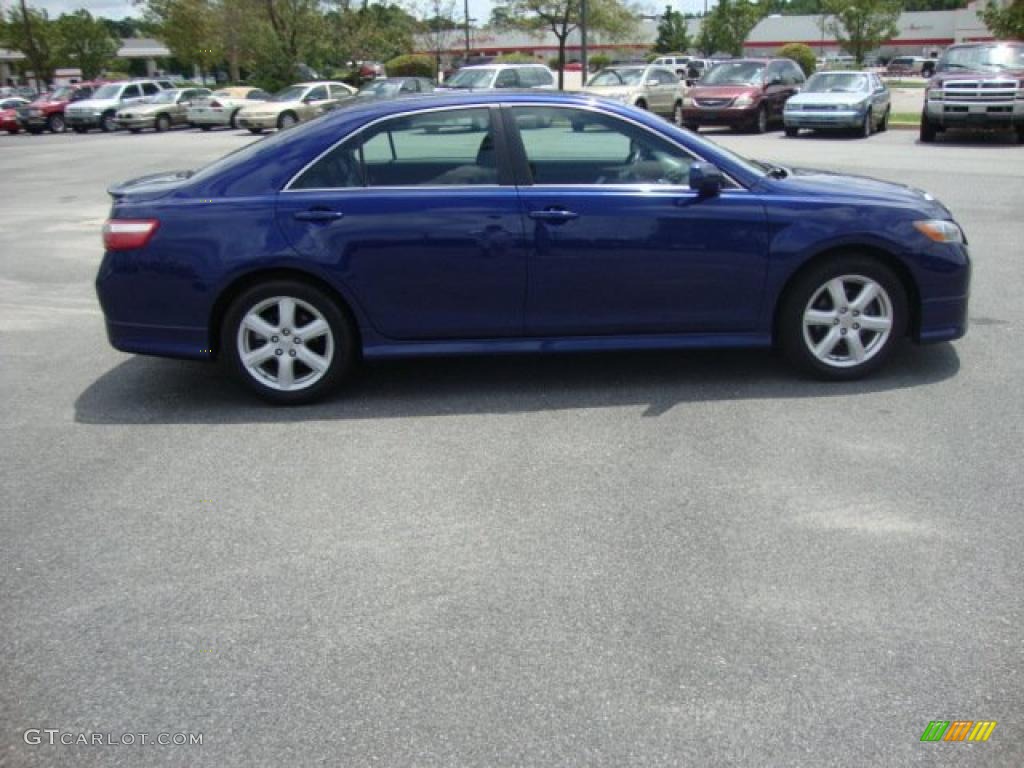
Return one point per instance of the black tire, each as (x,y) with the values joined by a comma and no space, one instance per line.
(867,127)
(162,123)
(232,121)
(790,327)
(884,125)
(79,129)
(107,124)
(641,104)
(205,127)
(928,130)
(344,337)
(286,121)
(55,123)
(760,124)
(792,132)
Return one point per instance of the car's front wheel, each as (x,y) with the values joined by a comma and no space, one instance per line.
(163,123)
(286,121)
(288,341)
(841,319)
(56,123)
(107,123)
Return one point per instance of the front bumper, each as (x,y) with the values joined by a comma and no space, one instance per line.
(836,119)
(82,121)
(731,116)
(133,123)
(265,122)
(956,113)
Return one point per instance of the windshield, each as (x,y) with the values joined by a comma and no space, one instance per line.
(380,88)
(108,91)
(735,73)
(164,97)
(988,57)
(829,82)
(471,78)
(59,94)
(616,77)
(291,93)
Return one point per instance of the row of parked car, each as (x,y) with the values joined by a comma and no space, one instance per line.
(976,84)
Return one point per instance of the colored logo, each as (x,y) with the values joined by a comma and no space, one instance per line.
(958,730)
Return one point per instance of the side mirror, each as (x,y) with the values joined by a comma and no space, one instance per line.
(705,179)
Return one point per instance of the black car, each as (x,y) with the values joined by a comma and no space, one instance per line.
(393,87)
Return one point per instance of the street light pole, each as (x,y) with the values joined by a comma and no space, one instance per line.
(583,42)
(466,26)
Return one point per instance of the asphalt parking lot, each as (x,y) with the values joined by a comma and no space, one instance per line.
(620,560)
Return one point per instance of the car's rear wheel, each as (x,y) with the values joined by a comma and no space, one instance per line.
(163,123)
(107,124)
(286,121)
(288,341)
(841,319)
(884,125)
(928,130)
(55,123)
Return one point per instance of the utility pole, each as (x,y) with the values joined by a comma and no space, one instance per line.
(583,42)
(466,26)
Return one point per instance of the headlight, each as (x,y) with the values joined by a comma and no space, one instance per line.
(940,230)
(743,101)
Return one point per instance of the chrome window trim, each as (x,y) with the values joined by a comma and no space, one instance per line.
(489,105)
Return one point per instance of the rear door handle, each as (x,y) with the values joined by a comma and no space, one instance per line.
(319,214)
(554,215)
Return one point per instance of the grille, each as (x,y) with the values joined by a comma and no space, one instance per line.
(704,102)
(981,90)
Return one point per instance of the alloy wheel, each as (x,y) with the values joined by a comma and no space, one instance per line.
(285,343)
(57,124)
(847,321)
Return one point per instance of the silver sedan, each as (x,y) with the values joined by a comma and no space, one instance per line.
(839,100)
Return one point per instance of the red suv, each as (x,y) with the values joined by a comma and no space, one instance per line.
(743,93)
(47,111)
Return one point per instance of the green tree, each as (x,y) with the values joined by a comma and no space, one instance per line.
(729,24)
(85,42)
(562,18)
(801,54)
(1006,23)
(860,26)
(31,33)
(673,34)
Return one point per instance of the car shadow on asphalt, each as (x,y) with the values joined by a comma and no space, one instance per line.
(145,390)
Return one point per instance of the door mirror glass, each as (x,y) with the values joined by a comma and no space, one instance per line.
(705,179)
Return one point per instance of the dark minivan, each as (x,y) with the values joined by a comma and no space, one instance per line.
(743,94)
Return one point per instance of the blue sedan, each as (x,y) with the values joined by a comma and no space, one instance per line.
(487,223)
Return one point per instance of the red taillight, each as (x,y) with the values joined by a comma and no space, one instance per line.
(214,103)
(126,234)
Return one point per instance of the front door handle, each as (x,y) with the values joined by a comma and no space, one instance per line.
(319,214)
(554,215)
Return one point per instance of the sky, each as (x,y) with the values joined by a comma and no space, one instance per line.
(478,9)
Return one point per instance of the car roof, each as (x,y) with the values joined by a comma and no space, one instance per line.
(505,65)
(316,82)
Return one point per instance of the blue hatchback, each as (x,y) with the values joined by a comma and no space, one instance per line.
(517,222)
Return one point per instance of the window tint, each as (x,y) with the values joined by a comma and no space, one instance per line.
(317,94)
(130,92)
(572,146)
(150,88)
(507,78)
(445,148)
(337,92)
